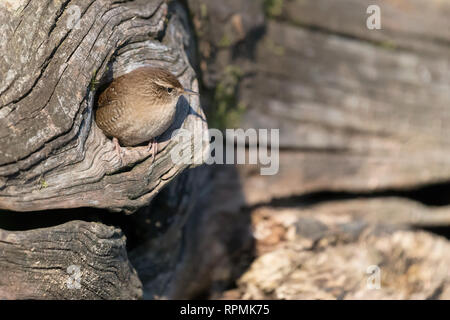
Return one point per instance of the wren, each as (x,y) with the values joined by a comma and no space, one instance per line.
(138,107)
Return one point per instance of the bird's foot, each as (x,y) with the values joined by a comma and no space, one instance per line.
(119,149)
(153,145)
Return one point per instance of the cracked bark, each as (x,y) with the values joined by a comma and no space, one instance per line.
(358,110)
(47,132)
(56,56)
(36,264)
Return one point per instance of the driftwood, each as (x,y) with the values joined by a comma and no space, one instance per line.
(77,260)
(56,57)
(52,153)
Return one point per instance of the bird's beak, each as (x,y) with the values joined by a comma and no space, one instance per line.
(190,92)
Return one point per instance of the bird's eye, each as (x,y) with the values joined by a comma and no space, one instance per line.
(169,90)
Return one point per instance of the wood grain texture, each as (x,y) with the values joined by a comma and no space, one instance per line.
(357,109)
(34,264)
(52,154)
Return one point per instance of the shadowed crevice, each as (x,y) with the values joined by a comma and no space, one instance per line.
(433,195)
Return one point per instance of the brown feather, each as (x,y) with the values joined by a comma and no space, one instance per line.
(139,105)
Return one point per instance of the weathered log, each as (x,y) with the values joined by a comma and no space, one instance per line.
(52,154)
(363,114)
(76,260)
(416,25)
(357,109)
(57,57)
(326,256)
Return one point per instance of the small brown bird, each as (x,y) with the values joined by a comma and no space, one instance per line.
(139,106)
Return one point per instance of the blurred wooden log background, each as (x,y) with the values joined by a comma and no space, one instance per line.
(358,109)
(363,118)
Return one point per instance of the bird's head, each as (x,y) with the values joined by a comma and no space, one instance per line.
(167,86)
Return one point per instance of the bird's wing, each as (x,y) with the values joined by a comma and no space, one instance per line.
(112,106)
(116,91)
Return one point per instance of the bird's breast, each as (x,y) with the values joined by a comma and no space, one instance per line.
(147,123)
